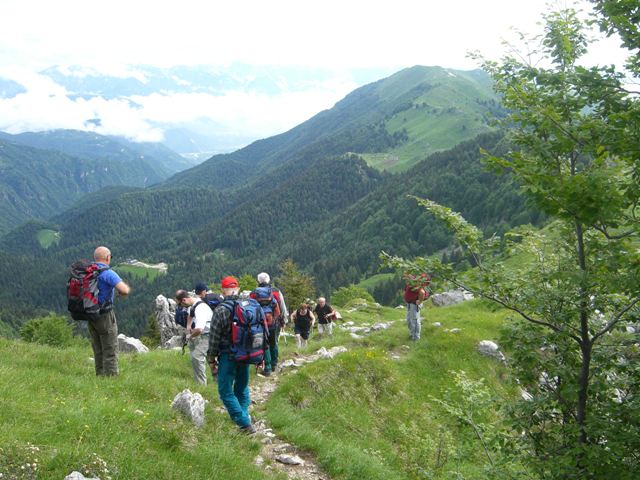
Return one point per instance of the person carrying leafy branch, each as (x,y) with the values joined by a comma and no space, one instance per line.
(415,294)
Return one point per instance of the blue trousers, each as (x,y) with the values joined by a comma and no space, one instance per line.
(233,388)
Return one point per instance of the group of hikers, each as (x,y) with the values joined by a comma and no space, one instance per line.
(226,331)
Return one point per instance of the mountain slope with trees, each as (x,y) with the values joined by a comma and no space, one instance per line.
(370,120)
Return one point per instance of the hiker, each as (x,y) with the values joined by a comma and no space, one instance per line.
(104,329)
(325,315)
(213,299)
(272,301)
(303,321)
(197,332)
(414,294)
(233,376)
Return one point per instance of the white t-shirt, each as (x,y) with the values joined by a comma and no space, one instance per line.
(202,317)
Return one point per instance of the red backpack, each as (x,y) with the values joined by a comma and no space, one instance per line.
(82,291)
(414,285)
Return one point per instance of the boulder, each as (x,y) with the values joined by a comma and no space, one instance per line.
(490,349)
(165,316)
(130,345)
(452,297)
(191,405)
(174,342)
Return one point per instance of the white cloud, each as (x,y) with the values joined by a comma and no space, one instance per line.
(46,105)
(333,34)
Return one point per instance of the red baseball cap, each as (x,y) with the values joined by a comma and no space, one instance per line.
(229,282)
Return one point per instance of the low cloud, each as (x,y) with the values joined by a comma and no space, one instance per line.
(45,105)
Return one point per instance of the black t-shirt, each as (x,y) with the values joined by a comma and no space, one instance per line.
(322,312)
(303,322)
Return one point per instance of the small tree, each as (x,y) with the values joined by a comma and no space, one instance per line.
(151,336)
(344,295)
(576,290)
(54,330)
(296,286)
(247,282)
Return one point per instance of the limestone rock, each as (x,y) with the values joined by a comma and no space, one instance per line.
(452,297)
(78,476)
(490,349)
(191,405)
(331,353)
(380,326)
(165,316)
(130,344)
(290,459)
(174,342)
(436,324)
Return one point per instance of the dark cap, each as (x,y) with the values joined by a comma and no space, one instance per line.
(200,287)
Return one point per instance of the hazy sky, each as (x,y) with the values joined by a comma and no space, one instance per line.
(336,35)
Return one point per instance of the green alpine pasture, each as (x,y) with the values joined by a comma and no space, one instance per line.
(139,273)
(365,415)
(47,237)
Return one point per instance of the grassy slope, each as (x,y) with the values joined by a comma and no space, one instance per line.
(368,416)
(371,282)
(52,399)
(141,273)
(364,415)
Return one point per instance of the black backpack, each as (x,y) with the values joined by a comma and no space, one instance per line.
(181,316)
(82,291)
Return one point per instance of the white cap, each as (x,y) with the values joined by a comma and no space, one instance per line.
(263,277)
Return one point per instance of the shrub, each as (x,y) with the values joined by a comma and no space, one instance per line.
(53,330)
(344,295)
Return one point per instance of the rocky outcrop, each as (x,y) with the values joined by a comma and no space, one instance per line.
(191,405)
(451,298)
(130,345)
(165,316)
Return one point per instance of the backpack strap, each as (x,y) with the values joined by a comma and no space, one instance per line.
(192,310)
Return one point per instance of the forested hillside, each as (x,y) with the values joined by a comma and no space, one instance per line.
(43,174)
(332,218)
(303,194)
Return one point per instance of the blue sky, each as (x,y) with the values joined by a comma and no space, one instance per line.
(335,37)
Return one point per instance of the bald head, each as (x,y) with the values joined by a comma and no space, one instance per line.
(102,254)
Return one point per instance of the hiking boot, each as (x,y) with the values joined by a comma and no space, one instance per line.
(248,429)
(267,373)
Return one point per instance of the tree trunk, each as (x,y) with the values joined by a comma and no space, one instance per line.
(585,347)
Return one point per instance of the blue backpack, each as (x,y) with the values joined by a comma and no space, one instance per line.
(213,300)
(266,297)
(249,331)
(181,316)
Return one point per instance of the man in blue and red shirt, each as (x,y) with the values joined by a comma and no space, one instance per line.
(104,330)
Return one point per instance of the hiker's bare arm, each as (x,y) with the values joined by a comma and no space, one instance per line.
(421,296)
(122,288)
